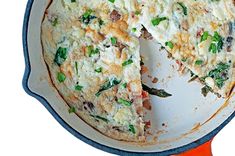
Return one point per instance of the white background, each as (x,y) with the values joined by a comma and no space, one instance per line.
(26,127)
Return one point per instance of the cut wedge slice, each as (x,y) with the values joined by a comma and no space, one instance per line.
(94,63)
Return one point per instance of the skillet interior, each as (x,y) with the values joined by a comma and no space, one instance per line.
(185,115)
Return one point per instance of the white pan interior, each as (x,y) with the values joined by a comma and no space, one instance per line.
(179,120)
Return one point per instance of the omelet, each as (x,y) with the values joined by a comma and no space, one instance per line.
(92,51)
(198,34)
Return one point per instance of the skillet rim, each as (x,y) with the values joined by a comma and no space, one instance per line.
(75,133)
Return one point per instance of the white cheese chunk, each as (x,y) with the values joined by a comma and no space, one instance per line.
(122,115)
(203,47)
(210,82)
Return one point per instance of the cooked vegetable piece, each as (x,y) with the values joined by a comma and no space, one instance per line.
(205,90)
(108,84)
(158,92)
(124,102)
(145,34)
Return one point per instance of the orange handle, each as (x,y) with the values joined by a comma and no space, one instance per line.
(203,150)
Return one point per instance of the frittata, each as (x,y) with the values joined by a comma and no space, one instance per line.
(92,51)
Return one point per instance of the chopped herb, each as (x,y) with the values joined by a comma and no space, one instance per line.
(99,70)
(72,1)
(217,37)
(217,43)
(113,40)
(87,13)
(124,102)
(199,62)
(128,62)
(157,92)
(96,51)
(220,74)
(184,59)
(78,87)
(54,22)
(124,85)
(132,129)
(101,22)
(108,84)
(87,17)
(204,36)
(72,110)
(91,51)
(220,45)
(169,44)
(202,79)
(61,77)
(185,10)
(141,62)
(193,78)
(61,56)
(76,67)
(134,29)
(112,1)
(213,48)
(100,118)
(137,12)
(156,21)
